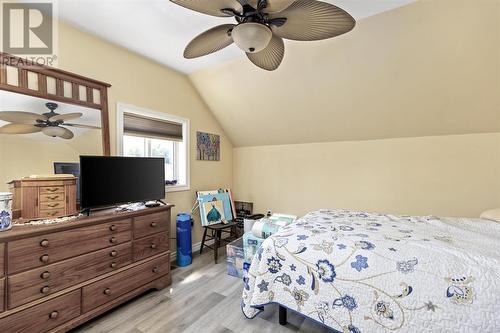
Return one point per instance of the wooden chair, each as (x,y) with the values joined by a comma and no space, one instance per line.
(216,231)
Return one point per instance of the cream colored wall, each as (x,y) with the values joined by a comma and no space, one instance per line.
(146,84)
(498,95)
(443,175)
(418,77)
(21,157)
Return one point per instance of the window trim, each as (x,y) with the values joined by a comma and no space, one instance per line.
(122,108)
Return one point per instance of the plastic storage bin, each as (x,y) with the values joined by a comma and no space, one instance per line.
(251,245)
(235,258)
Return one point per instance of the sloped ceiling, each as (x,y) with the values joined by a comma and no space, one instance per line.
(160,29)
(429,68)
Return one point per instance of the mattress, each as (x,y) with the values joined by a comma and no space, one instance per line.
(368,272)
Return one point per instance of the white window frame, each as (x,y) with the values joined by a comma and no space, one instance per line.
(122,108)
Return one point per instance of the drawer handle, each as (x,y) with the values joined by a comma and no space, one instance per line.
(45,275)
(112,227)
(45,290)
(153,224)
(52,213)
(156,269)
(53,315)
(113,240)
(53,205)
(113,265)
(44,243)
(153,246)
(53,197)
(51,189)
(107,291)
(113,253)
(44,258)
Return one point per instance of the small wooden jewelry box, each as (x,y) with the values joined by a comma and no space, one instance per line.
(43,197)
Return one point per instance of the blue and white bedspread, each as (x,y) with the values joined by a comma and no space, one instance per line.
(362,272)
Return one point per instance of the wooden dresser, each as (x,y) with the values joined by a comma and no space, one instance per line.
(35,198)
(53,278)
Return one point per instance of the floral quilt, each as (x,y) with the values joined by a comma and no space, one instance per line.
(364,272)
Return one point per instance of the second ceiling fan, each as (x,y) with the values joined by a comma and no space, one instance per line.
(49,123)
(263,24)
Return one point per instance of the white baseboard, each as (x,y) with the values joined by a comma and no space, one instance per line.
(196,248)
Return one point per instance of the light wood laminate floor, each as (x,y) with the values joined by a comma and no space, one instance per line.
(202,299)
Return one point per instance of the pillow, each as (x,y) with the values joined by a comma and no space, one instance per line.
(493,215)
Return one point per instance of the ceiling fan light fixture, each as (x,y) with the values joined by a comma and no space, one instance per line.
(53,131)
(252,37)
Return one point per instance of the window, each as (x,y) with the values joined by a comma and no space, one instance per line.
(145,133)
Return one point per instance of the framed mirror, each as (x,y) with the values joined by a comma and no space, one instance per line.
(48,118)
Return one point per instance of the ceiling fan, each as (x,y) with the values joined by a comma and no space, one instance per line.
(262,25)
(48,123)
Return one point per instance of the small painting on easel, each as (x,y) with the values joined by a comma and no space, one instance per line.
(213,212)
(207,147)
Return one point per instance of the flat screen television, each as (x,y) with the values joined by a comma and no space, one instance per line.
(109,181)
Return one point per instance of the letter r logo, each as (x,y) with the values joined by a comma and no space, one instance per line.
(27,28)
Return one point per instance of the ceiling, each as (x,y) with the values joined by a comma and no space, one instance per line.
(160,30)
(410,72)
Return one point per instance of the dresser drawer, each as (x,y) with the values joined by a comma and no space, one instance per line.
(151,224)
(49,205)
(51,197)
(45,316)
(52,213)
(51,189)
(150,246)
(2,259)
(2,293)
(41,282)
(112,287)
(44,250)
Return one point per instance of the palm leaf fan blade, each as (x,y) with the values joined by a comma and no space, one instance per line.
(271,57)
(82,126)
(210,41)
(211,7)
(67,134)
(313,20)
(19,117)
(19,129)
(67,116)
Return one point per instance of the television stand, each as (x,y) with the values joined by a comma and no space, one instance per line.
(85,211)
(155,203)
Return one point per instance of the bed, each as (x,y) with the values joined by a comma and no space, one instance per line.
(365,272)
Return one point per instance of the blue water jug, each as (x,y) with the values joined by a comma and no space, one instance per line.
(184,245)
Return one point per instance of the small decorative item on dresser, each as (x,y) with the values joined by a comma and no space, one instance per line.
(5,211)
(44,197)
